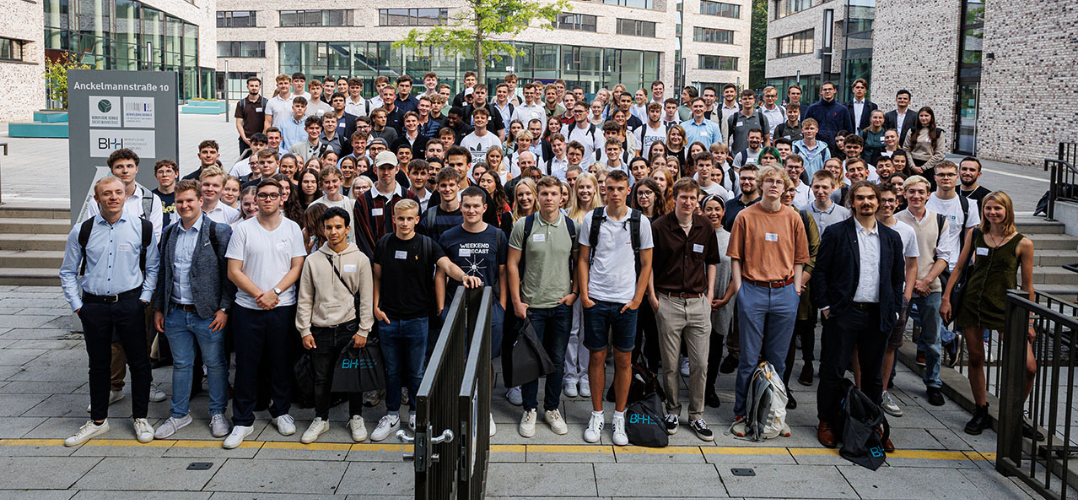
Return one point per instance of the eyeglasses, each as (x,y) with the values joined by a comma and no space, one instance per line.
(645,193)
(268,196)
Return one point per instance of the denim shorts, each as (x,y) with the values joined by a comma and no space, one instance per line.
(606,317)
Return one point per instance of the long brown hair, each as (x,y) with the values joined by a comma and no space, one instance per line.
(659,205)
(1008,220)
(932,131)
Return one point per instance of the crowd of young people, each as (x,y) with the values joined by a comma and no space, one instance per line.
(348,218)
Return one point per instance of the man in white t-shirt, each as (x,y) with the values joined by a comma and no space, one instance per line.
(705,162)
(961,220)
(653,131)
(794,167)
(583,132)
(480,140)
(265,256)
(611,290)
(279,107)
(886,215)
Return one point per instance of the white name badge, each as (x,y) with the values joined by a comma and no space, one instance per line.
(349,268)
(698,248)
(401,254)
(123,247)
(771,236)
(258,110)
(465,252)
(376,212)
(982,251)
(539,238)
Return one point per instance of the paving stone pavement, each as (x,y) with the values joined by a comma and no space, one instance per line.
(43,396)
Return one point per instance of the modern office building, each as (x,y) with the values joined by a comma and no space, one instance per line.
(597,44)
(20,52)
(998,75)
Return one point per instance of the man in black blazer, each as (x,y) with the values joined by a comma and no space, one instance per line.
(860,302)
(909,116)
(860,87)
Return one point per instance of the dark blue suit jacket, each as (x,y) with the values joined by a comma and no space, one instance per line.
(834,280)
(866,114)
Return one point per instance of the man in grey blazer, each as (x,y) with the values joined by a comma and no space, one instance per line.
(191,305)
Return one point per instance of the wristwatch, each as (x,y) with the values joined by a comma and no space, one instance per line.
(277,291)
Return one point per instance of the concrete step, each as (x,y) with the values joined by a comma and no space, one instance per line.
(1054,275)
(1037,225)
(35,211)
(29,276)
(50,259)
(26,225)
(1054,242)
(1053,258)
(54,242)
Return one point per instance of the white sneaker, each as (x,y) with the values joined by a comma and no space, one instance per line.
(527,424)
(553,418)
(387,425)
(317,428)
(358,428)
(514,396)
(595,428)
(114,396)
(218,426)
(172,425)
(87,431)
(585,388)
(156,394)
(569,389)
(684,367)
(144,431)
(235,438)
(620,438)
(286,425)
(890,406)
(493,428)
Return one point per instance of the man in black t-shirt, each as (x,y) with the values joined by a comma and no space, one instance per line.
(969,171)
(402,303)
(166,173)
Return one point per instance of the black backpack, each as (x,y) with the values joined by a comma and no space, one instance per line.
(597,217)
(529,223)
(88,227)
(860,416)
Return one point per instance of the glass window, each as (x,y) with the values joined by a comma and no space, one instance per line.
(56,14)
(10,50)
(241,49)
(795,44)
(784,8)
(860,15)
(634,27)
(236,19)
(307,18)
(578,22)
(712,35)
(725,63)
(412,17)
(640,4)
(721,9)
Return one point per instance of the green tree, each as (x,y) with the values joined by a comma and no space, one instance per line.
(482,29)
(758,44)
(56,75)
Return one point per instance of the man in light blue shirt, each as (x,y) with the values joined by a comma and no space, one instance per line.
(700,129)
(292,129)
(116,255)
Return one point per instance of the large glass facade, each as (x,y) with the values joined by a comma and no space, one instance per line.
(128,36)
(857,46)
(589,67)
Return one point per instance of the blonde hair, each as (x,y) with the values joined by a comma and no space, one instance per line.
(577,210)
(405,204)
(530,184)
(772,171)
(213,171)
(1008,206)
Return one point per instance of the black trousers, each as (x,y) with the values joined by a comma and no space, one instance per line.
(858,328)
(329,342)
(264,341)
(647,337)
(127,319)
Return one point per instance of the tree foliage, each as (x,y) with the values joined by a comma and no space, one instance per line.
(56,75)
(758,45)
(483,29)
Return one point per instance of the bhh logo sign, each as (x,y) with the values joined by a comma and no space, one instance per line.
(359,364)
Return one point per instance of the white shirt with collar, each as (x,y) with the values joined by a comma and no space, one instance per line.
(858,110)
(397,191)
(222,214)
(358,108)
(868,280)
(133,207)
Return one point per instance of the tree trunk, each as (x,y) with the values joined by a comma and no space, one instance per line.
(479,63)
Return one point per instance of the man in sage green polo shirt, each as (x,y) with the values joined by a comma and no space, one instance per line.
(541,249)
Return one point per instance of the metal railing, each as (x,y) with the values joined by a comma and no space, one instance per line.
(1043,465)
(1063,177)
(452,440)
(4,146)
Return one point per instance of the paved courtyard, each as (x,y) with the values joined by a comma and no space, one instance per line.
(43,398)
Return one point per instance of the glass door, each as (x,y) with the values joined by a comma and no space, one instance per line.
(966,138)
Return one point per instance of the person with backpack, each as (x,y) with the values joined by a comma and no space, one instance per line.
(542,247)
(333,312)
(685,259)
(613,240)
(860,304)
(586,134)
(108,276)
(191,306)
(251,113)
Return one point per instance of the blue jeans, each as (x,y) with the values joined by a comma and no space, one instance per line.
(183,329)
(604,316)
(766,319)
(928,314)
(552,326)
(404,348)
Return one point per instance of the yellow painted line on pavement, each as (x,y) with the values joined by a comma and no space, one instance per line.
(514,448)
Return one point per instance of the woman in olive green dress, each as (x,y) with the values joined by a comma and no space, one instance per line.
(997,249)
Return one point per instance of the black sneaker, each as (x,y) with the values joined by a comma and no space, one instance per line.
(711,398)
(791,403)
(702,432)
(729,364)
(1030,432)
(935,396)
(979,422)
(671,424)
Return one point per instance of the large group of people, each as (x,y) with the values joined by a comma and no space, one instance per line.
(350,218)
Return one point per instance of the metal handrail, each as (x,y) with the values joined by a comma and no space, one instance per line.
(474,407)
(2,145)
